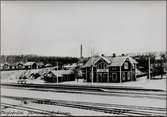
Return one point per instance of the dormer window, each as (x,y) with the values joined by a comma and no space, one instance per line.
(126,65)
(114,68)
(101,66)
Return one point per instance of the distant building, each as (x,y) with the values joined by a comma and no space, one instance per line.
(48,65)
(165,67)
(59,76)
(40,65)
(1,66)
(66,67)
(30,65)
(13,66)
(5,66)
(110,69)
(20,65)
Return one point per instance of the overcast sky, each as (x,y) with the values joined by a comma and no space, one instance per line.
(57,28)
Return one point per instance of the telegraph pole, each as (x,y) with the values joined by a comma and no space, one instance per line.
(149,68)
(92,64)
(58,74)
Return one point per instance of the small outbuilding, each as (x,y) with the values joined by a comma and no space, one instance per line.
(68,66)
(40,65)
(1,66)
(48,65)
(5,66)
(20,65)
(30,65)
(13,66)
(59,76)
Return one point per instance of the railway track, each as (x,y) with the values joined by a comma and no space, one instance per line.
(99,91)
(31,110)
(127,110)
(81,87)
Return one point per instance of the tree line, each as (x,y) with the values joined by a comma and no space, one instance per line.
(11,59)
(157,65)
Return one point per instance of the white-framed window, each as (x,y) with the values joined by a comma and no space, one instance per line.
(123,75)
(126,65)
(133,66)
(114,68)
(101,66)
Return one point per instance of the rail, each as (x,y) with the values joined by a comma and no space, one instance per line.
(106,108)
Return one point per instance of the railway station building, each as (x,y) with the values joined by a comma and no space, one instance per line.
(110,69)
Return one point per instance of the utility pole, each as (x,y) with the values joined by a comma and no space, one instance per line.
(92,64)
(81,51)
(149,68)
(57,74)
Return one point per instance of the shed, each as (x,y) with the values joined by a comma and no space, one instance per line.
(30,65)
(5,66)
(20,65)
(48,65)
(59,76)
(40,65)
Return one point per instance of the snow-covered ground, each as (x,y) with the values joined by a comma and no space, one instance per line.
(143,82)
(86,97)
(29,81)
(58,109)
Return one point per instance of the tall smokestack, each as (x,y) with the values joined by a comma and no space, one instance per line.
(81,51)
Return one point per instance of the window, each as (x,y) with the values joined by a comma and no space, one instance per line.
(113,68)
(101,66)
(126,65)
(133,66)
(123,75)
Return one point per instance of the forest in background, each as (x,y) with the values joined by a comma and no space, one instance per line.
(11,59)
(141,58)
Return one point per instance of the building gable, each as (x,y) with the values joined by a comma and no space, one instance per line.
(100,61)
(127,64)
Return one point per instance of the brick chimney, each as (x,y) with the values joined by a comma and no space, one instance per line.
(81,51)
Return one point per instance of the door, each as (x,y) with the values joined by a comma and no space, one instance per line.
(104,77)
(99,77)
(114,76)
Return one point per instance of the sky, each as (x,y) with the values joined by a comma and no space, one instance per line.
(57,28)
